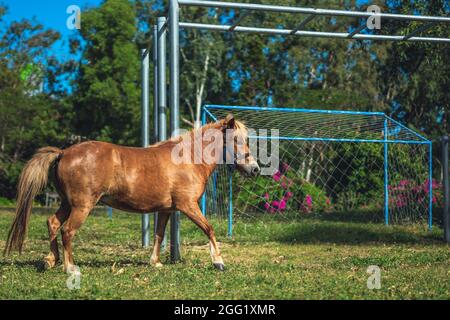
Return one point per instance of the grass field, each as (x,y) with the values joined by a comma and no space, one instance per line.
(307,258)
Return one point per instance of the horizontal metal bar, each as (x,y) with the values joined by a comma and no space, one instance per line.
(302,10)
(304,23)
(239,19)
(407,129)
(419,30)
(337,140)
(317,34)
(210,114)
(253,108)
(357,30)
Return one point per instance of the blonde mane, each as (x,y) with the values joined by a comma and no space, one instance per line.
(240,130)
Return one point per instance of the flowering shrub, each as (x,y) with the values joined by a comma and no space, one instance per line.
(284,191)
(407,193)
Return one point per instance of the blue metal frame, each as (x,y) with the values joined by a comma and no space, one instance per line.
(430,216)
(230,201)
(367,113)
(386,176)
(386,141)
(203,199)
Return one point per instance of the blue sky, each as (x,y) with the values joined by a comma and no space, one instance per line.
(51,13)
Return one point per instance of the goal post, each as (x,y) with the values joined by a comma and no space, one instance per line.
(328,160)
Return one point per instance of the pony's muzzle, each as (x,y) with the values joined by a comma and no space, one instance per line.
(255,170)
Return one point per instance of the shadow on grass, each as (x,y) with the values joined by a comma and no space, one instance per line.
(33,263)
(346,233)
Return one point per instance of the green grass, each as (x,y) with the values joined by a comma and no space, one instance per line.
(302,258)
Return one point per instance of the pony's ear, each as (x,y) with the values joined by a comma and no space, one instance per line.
(229,123)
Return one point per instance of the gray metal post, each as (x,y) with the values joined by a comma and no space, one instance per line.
(445,174)
(145,132)
(155,83)
(155,104)
(162,95)
(175,254)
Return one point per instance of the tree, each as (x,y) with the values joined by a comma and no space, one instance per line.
(107,88)
(30,116)
(415,78)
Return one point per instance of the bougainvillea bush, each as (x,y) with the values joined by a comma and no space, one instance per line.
(283,191)
(416,195)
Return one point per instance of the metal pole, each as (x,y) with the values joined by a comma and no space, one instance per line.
(145,132)
(230,202)
(386,177)
(162,94)
(203,199)
(303,10)
(155,83)
(214,192)
(445,177)
(175,254)
(430,186)
(155,105)
(314,34)
(109,211)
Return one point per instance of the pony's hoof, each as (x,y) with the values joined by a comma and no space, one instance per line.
(219,266)
(158,265)
(48,264)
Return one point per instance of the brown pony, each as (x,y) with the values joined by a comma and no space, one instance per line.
(131,179)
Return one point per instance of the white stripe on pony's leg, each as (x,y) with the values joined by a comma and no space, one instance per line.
(215,255)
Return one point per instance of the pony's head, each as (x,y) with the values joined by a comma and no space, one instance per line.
(236,147)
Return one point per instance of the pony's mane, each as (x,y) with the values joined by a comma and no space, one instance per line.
(240,130)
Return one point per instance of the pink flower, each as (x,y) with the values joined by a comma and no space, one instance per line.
(275,204)
(266,196)
(277,176)
(266,206)
(328,201)
(285,167)
(308,200)
(288,195)
(282,205)
(404,182)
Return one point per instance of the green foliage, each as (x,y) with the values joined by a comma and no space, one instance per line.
(107,87)
(319,202)
(285,191)
(410,81)
(357,178)
(5,202)
(31,114)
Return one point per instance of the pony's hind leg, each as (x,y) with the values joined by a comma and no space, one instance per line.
(74,222)
(195,214)
(163,217)
(54,223)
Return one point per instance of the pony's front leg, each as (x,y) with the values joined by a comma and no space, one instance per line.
(163,217)
(195,214)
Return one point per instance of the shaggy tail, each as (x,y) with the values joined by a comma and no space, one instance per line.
(33,179)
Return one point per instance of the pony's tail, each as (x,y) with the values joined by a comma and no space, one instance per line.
(32,180)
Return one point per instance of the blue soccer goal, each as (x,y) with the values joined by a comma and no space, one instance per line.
(328,160)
